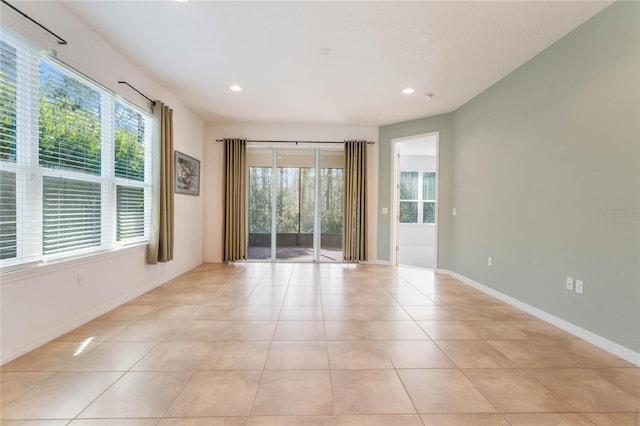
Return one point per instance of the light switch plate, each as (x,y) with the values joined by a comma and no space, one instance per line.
(579,286)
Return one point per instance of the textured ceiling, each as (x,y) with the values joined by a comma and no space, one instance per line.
(454,50)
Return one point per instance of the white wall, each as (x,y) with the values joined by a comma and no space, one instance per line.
(42,303)
(214,158)
(426,163)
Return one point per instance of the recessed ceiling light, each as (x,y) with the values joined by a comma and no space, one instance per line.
(408,91)
(235,88)
(181,1)
(325,51)
(428,96)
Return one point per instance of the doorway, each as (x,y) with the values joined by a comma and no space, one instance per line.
(295,204)
(415,228)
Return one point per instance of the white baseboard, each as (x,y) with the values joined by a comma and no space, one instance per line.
(595,339)
(383,262)
(22,349)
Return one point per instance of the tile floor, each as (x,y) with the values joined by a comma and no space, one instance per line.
(317,345)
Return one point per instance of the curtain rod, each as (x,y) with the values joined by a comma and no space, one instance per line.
(60,39)
(141,94)
(296,142)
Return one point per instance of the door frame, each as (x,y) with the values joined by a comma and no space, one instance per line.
(395,194)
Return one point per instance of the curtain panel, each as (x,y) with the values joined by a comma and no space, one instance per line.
(354,235)
(235,200)
(160,248)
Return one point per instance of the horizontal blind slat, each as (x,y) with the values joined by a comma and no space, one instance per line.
(8,225)
(61,228)
(130,212)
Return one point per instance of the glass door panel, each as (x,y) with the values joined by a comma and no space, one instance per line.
(260,164)
(331,193)
(295,204)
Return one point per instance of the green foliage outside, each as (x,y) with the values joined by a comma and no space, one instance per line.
(70,134)
(288,200)
(8,70)
(409,185)
(295,200)
(129,144)
(429,212)
(307,199)
(332,200)
(260,180)
(70,128)
(408,211)
(409,196)
(69,123)
(428,185)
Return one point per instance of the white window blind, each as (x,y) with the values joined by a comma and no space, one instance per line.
(130,207)
(8,84)
(8,215)
(69,122)
(71,215)
(74,160)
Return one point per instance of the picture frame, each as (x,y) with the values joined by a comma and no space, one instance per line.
(187,171)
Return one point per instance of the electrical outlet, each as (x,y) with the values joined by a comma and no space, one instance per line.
(454,211)
(489,261)
(80,279)
(569,284)
(579,286)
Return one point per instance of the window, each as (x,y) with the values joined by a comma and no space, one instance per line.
(74,161)
(288,200)
(130,208)
(409,197)
(294,207)
(417,197)
(8,215)
(71,215)
(428,197)
(69,120)
(332,193)
(260,181)
(8,71)
(294,216)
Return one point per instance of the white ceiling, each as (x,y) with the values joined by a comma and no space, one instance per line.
(455,50)
(420,146)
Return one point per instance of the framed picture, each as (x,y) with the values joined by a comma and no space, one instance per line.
(187,174)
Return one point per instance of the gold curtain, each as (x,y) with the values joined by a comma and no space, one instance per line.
(160,247)
(235,200)
(354,234)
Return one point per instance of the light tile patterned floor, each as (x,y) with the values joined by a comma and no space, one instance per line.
(318,345)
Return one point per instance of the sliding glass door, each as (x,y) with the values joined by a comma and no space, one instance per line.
(295,204)
(331,185)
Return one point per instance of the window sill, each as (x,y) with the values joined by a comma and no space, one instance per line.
(17,273)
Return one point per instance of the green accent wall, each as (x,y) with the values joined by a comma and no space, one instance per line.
(544,171)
